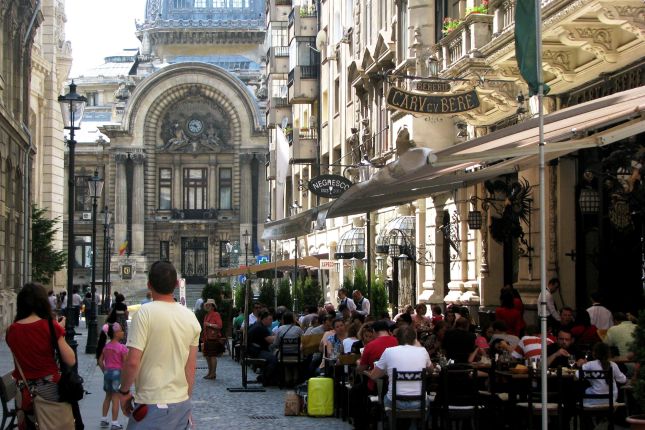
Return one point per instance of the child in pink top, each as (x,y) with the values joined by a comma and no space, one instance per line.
(111,362)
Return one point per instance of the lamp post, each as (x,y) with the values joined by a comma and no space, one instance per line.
(106,260)
(246,236)
(72,106)
(95,188)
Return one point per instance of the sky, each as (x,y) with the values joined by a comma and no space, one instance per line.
(99,28)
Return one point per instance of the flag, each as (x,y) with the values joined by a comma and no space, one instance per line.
(123,248)
(526,44)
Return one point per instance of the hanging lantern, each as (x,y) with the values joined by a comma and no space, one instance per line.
(589,201)
(475,220)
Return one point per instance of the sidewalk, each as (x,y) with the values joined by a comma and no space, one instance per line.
(213,406)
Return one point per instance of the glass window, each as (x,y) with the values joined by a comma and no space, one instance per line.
(200,3)
(92,98)
(195,188)
(301,54)
(404,23)
(82,251)
(224,255)
(164,250)
(279,34)
(278,88)
(219,3)
(165,188)
(83,202)
(225,188)
(181,4)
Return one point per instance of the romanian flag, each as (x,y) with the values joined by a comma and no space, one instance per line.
(123,248)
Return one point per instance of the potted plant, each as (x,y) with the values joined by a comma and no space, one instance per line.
(449,24)
(481,8)
(637,422)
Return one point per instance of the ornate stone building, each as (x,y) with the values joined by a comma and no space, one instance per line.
(175,129)
(34,62)
(433,174)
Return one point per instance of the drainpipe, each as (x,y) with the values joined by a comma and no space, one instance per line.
(26,213)
(31,24)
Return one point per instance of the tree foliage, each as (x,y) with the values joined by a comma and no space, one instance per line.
(284,294)
(45,260)
(267,293)
(379,300)
(307,292)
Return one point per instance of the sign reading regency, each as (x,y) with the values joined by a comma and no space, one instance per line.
(431,104)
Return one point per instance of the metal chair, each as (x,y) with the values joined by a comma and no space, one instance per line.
(419,413)
(8,392)
(606,407)
(533,404)
(289,355)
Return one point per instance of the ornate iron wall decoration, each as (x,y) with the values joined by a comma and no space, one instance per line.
(512,205)
(451,234)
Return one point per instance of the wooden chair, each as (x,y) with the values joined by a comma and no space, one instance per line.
(533,404)
(289,355)
(419,414)
(8,393)
(606,407)
(496,397)
(458,396)
(310,343)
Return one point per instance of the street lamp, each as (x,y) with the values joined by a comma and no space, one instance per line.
(95,188)
(105,290)
(247,237)
(72,106)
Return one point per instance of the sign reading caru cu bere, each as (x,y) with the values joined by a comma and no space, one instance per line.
(431,104)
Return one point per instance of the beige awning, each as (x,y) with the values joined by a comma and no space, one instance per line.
(307,262)
(415,174)
(296,225)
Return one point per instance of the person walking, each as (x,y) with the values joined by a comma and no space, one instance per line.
(111,362)
(211,336)
(162,356)
(30,341)
(120,314)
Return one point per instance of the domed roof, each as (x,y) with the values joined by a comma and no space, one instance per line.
(203,11)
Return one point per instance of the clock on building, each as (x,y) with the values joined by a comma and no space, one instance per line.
(195,126)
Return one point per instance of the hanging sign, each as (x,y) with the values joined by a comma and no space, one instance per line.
(398,98)
(328,264)
(433,86)
(329,186)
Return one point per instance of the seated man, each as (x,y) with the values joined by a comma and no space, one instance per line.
(499,332)
(459,342)
(621,336)
(405,357)
(559,354)
(259,341)
(530,345)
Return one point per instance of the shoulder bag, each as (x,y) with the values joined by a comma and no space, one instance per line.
(70,386)
(49,415)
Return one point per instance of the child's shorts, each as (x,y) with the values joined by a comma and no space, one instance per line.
(112,380)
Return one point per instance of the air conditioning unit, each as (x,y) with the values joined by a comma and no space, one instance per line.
(87,216)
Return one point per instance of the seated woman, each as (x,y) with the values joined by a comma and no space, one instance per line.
(287,330)
(600,386)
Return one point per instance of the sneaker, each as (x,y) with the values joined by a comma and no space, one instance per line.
(105,423)
(116,426)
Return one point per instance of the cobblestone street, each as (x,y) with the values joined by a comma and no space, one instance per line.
(213,406)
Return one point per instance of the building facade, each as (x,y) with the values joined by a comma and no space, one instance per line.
(429,94)
(174,127)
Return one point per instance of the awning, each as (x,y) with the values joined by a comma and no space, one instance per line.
(296,225)
(307,262)
(414,175)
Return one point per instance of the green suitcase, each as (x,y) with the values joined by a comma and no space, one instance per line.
(320,397)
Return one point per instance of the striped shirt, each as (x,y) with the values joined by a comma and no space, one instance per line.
(529,347)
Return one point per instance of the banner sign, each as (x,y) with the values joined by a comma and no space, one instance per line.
(398,98)
(433,86)
(329,186)
(328,265)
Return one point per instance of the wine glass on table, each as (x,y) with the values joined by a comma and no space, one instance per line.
(572,361)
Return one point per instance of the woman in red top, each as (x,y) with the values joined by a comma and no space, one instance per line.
(509,314)
(211,337)
(29,339)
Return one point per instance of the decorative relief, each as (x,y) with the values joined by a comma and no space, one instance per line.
(599,41)
(559,63)
(195,125)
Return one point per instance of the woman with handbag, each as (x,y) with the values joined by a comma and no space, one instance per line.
(37,373)
(212,338)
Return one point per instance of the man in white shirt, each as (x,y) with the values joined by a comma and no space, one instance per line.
(198,304)
(406,357)
(344,300)
(600,316)
(362,303)
(551,310)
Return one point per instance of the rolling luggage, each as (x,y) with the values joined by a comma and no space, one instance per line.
(320,397)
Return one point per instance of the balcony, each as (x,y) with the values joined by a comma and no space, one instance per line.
(194,214)
(277,108)
(463,44)
(278,59)
(303,22)
(277,10)
(304,145)
(303,84)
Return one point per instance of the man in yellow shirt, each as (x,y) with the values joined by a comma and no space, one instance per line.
(162,345)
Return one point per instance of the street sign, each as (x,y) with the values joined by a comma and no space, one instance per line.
(261,259)
(329,186)
(328,265)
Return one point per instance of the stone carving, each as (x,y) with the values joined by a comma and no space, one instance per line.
(194,126)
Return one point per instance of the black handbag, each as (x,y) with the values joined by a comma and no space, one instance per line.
(70,385)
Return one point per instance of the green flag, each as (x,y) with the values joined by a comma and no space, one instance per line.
(526,44)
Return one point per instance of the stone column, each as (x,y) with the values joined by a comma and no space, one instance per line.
(120,200)
(138,206)
(245,189)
